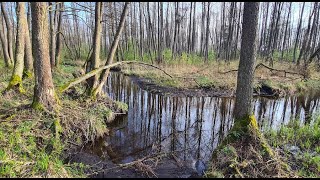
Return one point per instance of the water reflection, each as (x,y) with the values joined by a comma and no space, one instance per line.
(192,126)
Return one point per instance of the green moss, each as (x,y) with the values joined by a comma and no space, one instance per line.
(27,74)
(121,106)
(37,106)
(15,80)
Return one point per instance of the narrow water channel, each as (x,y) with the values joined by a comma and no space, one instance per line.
(192,127)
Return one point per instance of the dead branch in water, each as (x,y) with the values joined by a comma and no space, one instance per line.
(96,71)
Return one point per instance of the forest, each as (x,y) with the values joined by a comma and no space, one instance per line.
(160,89)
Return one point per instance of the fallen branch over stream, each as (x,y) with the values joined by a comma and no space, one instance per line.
(96,71)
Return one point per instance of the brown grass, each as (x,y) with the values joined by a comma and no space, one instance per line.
(198,75)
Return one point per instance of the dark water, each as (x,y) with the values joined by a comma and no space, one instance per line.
(190,126)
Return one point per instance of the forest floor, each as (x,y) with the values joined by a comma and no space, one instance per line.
(219,79)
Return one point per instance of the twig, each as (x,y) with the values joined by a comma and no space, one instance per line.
(272,69)
(234,70)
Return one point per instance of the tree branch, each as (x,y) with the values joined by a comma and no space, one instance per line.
(271,69)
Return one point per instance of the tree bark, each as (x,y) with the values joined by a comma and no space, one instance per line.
(7,59)
(9,31)
(59,39)
(28,61)
(243,106)
(44,95)
(297,36)
(95,56)
(105,73)
(16,78)
(52,36)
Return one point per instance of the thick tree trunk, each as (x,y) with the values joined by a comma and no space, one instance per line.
(243,107)
(44,95)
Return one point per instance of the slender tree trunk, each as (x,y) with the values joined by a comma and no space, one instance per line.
(285,34)
(193,46)
(59,36)
(28,60)
(9,31)
(298,33)
(105,73)
(4,44)
(207,34)
(16,78)
(95,56)
(52,36)
(189,35)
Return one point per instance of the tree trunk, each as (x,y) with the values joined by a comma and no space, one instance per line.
(52,36)
(243,107)
(9,31)
(105,73)
(28,61)
(44,95)
(207,34)
(285,32)
(297,36)
(59,29)
(95,56)
(4,44)
(16,78)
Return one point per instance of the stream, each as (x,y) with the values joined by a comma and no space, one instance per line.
(189,127)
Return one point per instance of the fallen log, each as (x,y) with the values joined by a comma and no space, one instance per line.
(96,71)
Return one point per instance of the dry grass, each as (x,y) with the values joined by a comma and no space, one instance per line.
(211,75)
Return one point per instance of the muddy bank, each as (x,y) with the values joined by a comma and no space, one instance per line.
(167,167)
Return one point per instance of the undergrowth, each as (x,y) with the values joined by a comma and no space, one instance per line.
(300,145)
(36,144)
